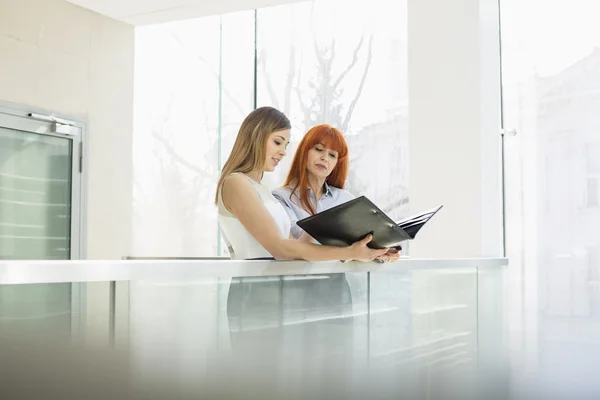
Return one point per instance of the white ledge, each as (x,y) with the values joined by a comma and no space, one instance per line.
(51,271)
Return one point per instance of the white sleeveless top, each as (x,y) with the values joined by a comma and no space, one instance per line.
(241,243)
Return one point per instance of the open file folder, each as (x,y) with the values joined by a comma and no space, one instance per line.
(352,221)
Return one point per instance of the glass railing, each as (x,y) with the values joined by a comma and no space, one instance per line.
(316,329)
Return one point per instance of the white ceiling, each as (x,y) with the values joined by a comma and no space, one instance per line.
(146,12)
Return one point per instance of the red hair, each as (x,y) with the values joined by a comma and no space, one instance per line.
(297,178)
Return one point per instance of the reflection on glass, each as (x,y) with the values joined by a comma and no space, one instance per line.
(424,319)
(551,79)
(35,223)
(391,332)
(388,325)
(35,196)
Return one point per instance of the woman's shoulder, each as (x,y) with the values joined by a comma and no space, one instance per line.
(341,194)
(282,193)
(236,179)
(283,190)
(239,184)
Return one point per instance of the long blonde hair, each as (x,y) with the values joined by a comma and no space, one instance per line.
(249,150)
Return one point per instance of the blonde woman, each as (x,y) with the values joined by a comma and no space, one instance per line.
(254,224)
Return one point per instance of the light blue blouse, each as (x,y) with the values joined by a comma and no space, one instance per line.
(332,197)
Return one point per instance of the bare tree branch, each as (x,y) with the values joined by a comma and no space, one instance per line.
(332,47)
(319,53)
(360,87)
(328,94)
(395,204)
(306,110)
(350,66)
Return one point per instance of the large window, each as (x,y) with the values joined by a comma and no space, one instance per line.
(338,62)
(326,61)
(551,74)
(193,86)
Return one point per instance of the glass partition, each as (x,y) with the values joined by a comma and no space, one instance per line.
(393,330)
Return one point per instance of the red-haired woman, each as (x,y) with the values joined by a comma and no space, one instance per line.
(317,178)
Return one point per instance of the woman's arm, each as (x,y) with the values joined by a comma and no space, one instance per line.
(240,198)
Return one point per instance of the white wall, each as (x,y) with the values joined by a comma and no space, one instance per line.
(68,60)
(454,120)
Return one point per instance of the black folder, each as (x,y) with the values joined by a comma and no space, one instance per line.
(352,221)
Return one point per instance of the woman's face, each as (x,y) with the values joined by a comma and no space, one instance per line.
(277,142)
(321,161)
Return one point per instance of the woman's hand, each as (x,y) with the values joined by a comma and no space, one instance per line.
(360,252)
(391,255)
